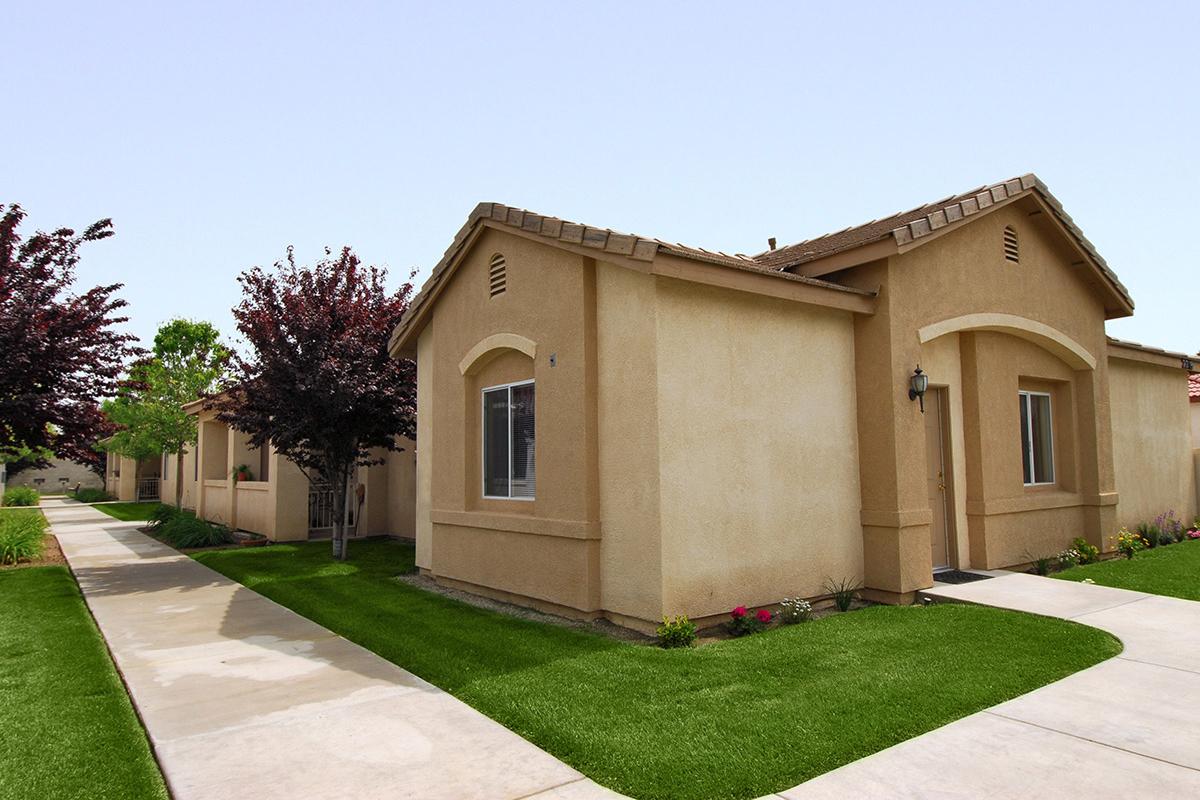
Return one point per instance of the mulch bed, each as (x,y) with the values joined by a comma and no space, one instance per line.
(51,555)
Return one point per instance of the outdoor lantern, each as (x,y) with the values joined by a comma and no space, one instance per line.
(917,384)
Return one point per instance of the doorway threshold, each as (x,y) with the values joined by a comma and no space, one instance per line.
(957,576)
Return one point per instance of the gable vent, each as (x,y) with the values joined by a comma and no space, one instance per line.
(1010,244)
(496,275)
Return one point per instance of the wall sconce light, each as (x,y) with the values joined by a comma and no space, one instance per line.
(918,384)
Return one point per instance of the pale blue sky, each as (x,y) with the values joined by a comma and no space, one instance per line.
(217,135)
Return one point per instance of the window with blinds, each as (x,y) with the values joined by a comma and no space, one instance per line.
(1037,438)
(497,275)
(509,456)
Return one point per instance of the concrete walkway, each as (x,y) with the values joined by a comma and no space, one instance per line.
(1128,727)
(244,698)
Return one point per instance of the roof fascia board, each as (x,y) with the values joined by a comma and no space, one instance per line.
(403,340)
(846,259)
(682,268)
(1130,352)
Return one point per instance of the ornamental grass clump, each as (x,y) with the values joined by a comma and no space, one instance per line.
(793,610)
(843,592)
(743,623)
(22,496)
(22,536)
(185,530)
(676,632)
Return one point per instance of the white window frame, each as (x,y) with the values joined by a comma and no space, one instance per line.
(1029,433)
(483,441)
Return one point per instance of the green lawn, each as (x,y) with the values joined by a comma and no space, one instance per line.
(734,719)
(1171,570)
(127,512)
(66,724)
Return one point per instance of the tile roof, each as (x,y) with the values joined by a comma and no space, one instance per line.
(1194,388)
(908,226)
(633,246)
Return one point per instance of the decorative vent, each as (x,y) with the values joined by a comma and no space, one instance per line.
(496,275)
(1010,244)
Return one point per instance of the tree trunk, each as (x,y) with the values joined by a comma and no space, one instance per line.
(339,517)
(179,479)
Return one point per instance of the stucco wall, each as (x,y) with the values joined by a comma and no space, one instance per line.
(758,448)
(1151,448)
(627,421)
(60,476)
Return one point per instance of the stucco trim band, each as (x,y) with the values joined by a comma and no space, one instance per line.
(1057,342)
(490,346)
(537,526)
(896,519)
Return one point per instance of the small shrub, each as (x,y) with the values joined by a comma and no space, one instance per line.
(91,496)
(185,530)
(1170,529)
(1129,543)
(1041,564)
(1068,558)
(676,632)
(22,536)
(22,496)
(743,623)
(843,591)
(1148,532)
(162,515)
(1088,553)
(794,610)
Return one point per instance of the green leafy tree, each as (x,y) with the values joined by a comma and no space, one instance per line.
(188,362)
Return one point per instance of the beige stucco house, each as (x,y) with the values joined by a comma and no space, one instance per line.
(131,479)
(611,425)
(277,500)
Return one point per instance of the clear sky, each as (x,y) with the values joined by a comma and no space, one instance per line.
(216,134)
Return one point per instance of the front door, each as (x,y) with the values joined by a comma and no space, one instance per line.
(937,454)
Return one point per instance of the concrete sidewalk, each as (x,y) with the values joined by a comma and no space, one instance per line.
(244,698)
(1129,727)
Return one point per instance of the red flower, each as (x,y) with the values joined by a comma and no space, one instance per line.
(763,615)
(738,612)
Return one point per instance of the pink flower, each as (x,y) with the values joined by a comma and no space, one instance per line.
(738,612)
(763,615)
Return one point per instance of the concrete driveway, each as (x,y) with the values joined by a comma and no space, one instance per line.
(1128,727)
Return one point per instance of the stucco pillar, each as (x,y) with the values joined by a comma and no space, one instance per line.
(895,506)
(1097,482)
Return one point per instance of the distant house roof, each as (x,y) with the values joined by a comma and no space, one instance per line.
(908,226)
(1194,388)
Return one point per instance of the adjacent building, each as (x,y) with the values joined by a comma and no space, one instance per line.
(615,426)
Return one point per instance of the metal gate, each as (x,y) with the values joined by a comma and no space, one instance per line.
(320,508)
(147,489)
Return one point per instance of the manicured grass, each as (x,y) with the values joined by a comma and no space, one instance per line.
(67,727)
(127,512)
(1172,570)
(734,719)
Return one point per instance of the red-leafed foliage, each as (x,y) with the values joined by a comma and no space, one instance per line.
(319,384)
(59,351)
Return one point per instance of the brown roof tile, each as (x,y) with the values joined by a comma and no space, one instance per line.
(908,226)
